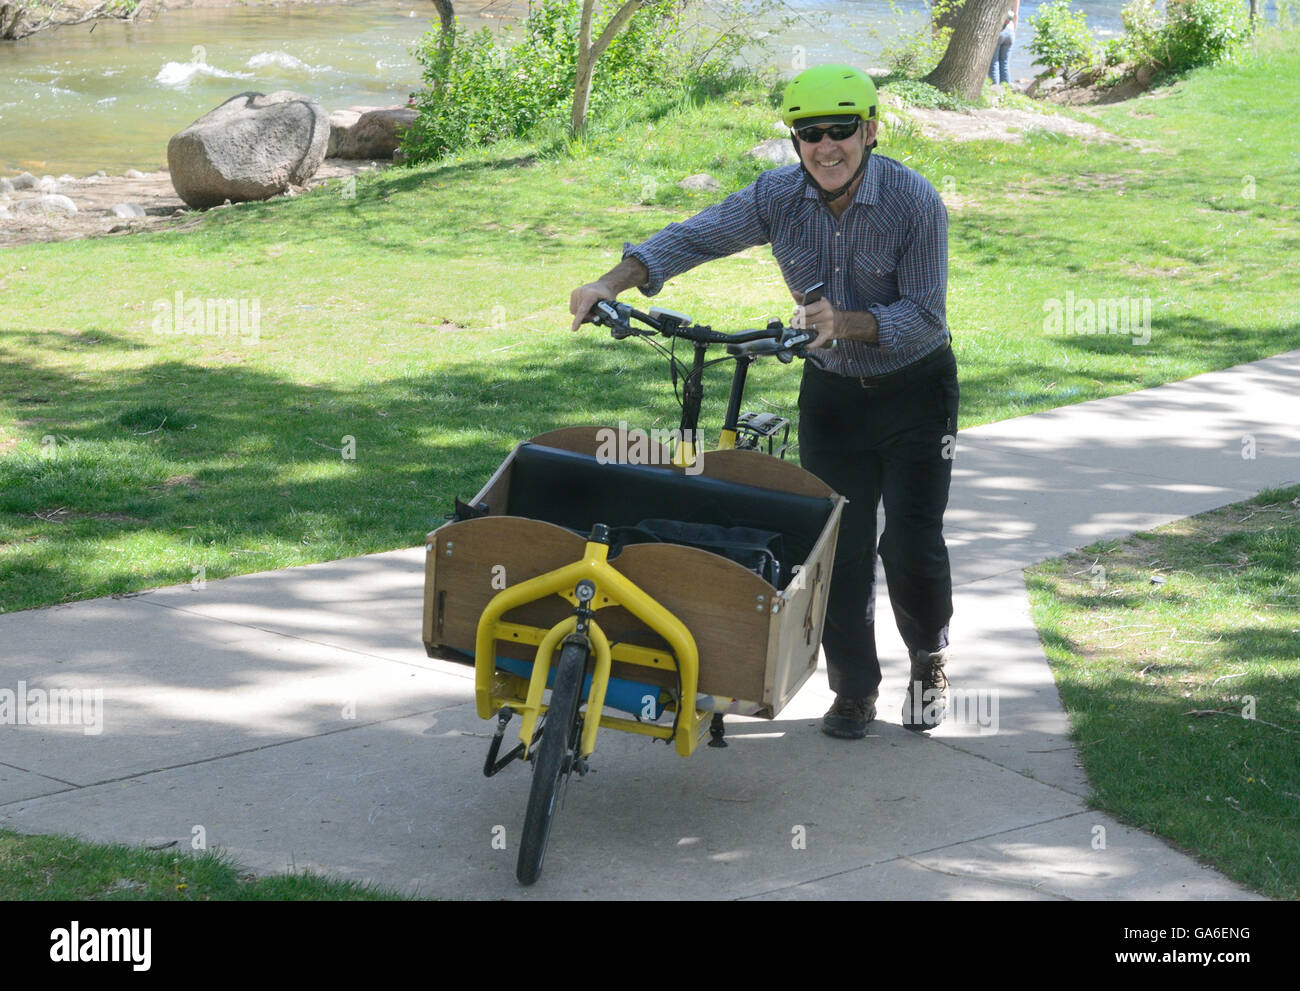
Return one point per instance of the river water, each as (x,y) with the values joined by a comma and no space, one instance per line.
(76,99)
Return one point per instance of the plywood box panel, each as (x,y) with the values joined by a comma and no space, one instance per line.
(755,642)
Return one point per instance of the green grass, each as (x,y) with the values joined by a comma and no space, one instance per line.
(1161,644)
(55,868)
(426,319)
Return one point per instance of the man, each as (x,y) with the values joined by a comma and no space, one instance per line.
(880,418)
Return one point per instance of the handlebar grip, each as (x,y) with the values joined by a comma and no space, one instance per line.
(786,347)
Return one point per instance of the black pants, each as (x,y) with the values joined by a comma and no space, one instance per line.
(891,438)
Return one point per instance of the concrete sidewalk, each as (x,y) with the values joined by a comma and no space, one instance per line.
(294,717)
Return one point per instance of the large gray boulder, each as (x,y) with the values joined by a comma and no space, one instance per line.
(702,182)
(778,151)
(252,147)
(48,205)
(342,121)
(377,133)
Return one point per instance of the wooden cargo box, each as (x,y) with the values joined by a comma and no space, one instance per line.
(757,644)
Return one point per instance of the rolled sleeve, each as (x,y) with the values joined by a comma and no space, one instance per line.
(921,309)
(723,229)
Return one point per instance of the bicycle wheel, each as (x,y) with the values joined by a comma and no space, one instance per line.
(554,759)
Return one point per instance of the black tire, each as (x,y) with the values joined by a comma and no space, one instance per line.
(559,740)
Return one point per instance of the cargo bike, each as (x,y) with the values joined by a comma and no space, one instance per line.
(648,590)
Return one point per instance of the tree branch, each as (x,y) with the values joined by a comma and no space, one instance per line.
(11,31)
(614,26)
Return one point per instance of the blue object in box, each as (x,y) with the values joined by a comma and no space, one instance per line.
(627,696)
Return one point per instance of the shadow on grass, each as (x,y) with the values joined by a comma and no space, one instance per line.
(263,463)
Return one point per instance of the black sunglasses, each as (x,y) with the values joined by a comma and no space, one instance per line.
(838,132)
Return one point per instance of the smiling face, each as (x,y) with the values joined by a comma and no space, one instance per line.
(833,163)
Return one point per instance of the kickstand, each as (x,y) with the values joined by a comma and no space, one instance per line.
(492,765)
(716,731)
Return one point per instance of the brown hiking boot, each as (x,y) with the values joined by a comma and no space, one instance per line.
(927,691)
(848,717)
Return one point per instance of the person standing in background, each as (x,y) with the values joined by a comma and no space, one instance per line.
(1002,51)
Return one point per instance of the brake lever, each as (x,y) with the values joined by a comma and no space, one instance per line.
(797,349)
(614,315)
(793,346)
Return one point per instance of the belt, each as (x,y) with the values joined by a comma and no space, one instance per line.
(893,381)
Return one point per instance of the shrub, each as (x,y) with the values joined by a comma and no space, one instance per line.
(1062,41)
(1185,35)
(914,93)
(480,90)
(915,54)
(1203,32)
(1143,25)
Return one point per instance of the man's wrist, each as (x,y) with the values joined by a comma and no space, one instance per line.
(857,325)
(627,274)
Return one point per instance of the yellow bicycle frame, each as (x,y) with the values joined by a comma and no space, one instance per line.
(686,452)
(612,589)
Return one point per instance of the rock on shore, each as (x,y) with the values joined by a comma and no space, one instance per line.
(377,133)
(251,147)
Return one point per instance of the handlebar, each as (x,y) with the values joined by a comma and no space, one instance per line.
(785,343)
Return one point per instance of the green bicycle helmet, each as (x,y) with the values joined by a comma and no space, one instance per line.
(829,94)
(829,91)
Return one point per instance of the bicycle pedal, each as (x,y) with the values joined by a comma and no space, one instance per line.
(762,424)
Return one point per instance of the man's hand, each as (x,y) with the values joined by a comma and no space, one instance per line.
(582,299)
(625,275)
(819,317)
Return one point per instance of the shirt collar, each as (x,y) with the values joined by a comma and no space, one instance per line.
(868,190)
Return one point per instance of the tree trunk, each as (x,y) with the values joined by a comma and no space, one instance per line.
(586,64)
(446,38)
(589,52)
(446,17)
(1254,11)
(965,64)
(9,18)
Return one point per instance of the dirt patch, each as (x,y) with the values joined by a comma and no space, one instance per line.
(1127,89)
(1100,180)
(956,201)
(1011,124)
(1159,273)
(95,196)
(65,515)
(999,124)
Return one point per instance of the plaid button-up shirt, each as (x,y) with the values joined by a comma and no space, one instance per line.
(887,253)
